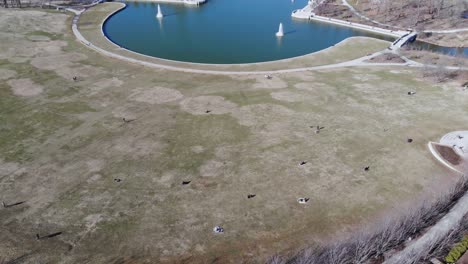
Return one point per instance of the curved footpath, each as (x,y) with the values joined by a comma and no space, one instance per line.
(359,62)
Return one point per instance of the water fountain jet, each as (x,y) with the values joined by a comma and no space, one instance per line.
(280,32)
(160,14)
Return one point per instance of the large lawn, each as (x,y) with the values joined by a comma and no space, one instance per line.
(115,188)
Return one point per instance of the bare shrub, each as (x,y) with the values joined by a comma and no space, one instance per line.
(441,249)
(387,235)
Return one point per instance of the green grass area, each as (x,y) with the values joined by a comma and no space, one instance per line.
(62,149)
(51,36)
(33,124)
(206,131)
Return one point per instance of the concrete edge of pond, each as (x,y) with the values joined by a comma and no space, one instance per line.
(189,67)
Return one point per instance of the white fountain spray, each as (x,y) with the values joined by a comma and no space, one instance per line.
(160,14)
(280,32)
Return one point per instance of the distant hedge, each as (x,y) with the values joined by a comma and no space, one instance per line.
(457,251)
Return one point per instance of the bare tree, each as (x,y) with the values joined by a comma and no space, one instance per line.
(393,232)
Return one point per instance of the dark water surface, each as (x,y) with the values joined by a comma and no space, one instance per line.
(459,52)
(223,31)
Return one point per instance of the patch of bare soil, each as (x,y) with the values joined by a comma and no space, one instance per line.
(197,149)
(304,76)
(58,61)
(448,154)
(289,96)
(137,148)
(27,48)
(203,105)
(316,87)
(211,168)
(91,222)
(259,114)
(167,178)
(6,74)
(366,77)
(124,112)
(25,87)
(261,82)
(65,65)
(17,59)
(156,95)
(106,83)
(7,168)
(270,122)
(95,165)
(37,21)
(80,71)
(38,38)
(387,58)
(94,178)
